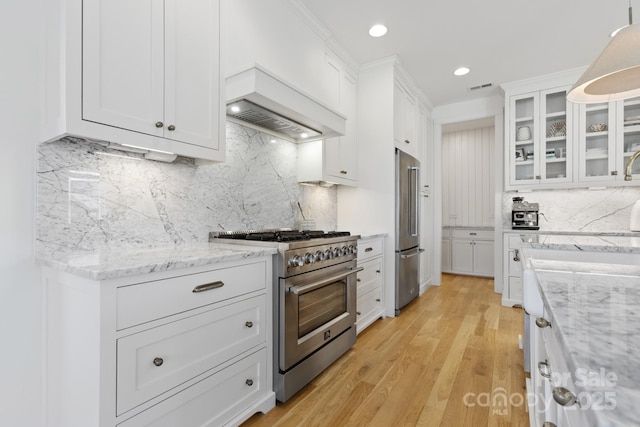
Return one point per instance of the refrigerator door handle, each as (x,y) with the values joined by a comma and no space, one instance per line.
(409,256)
(414,205)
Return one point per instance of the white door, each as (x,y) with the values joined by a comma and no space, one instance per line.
(122,63)
(192,103)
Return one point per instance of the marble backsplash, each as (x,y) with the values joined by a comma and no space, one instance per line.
(91,197)
(579,210)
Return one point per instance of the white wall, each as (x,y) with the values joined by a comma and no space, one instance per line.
(468,177)
(21,36)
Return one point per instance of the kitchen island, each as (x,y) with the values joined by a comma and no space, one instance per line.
(588,339)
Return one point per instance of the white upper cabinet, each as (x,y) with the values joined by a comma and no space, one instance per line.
(405,119)
(335,159)
(142,73)
(609,135)
(552,143)
(540,124)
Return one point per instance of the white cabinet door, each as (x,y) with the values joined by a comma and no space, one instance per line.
(462,256)
(192,92)
(153,67)
(123,64)
(596,146)
(483,257)
(405,120)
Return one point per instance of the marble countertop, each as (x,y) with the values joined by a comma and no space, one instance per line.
(582,242)
(114,264)
(594,309)
(365,236)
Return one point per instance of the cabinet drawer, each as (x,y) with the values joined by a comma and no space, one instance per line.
(472,234)
(368,304)
(369,248)
(158,359)
(153,300)
(371,276)
(214,400)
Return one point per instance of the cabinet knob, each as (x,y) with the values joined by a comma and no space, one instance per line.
(541,322)
(249,382)
(538,176)
(249,324)
(378,271)
(358,280)
(159,124)
(426,195)
(358,313)
(343,172)
(377,299)
(158,361)
(614,173)
(407,141)
(564,397)
(171,127)
(516,255)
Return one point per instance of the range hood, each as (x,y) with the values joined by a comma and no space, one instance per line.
(259,99)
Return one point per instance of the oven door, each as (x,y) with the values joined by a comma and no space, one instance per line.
(315,307)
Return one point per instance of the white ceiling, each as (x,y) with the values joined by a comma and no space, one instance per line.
(500,40)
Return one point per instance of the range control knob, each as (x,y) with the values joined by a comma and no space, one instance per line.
(319,255)
(344,251)
(336,252)
(309,258)
(296,261)
(352,249)
(328,254)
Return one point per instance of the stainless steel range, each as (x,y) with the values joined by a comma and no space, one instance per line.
(314,301)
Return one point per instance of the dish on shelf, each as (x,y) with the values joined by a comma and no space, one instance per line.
(598,127)
(597,152)
(557,129)
(635,146)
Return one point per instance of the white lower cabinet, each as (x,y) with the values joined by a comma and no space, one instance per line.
(370,291)
(512,291)
(190,347)
(472,252)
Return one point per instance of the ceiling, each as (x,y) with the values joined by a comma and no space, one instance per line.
(500,40)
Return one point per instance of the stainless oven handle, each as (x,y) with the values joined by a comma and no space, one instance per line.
(311,286)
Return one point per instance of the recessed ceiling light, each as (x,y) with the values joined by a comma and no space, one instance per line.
(461,71)
(235,109)
(304,135)
(377,30)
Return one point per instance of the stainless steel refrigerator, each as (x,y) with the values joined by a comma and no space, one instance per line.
(407,229)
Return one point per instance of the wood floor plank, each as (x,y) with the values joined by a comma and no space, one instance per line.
(443,362)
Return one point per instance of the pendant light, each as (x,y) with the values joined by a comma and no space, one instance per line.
(615,74)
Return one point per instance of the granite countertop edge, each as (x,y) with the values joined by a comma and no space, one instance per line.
(125,262)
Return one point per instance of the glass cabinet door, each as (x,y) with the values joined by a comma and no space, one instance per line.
(522,139)
(556,129)
(628,122)
(596,137)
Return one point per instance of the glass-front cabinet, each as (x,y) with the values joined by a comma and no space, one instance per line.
(628,136)
(540,126)
(609,134)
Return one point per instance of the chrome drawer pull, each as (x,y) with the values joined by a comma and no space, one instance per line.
(208,287)
(548,424)
(249,324)
(249,382)
(541,322)
(158,361)
(564,397)
(368,249)
(543,368)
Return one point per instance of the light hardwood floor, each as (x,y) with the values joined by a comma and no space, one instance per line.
(450,359)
